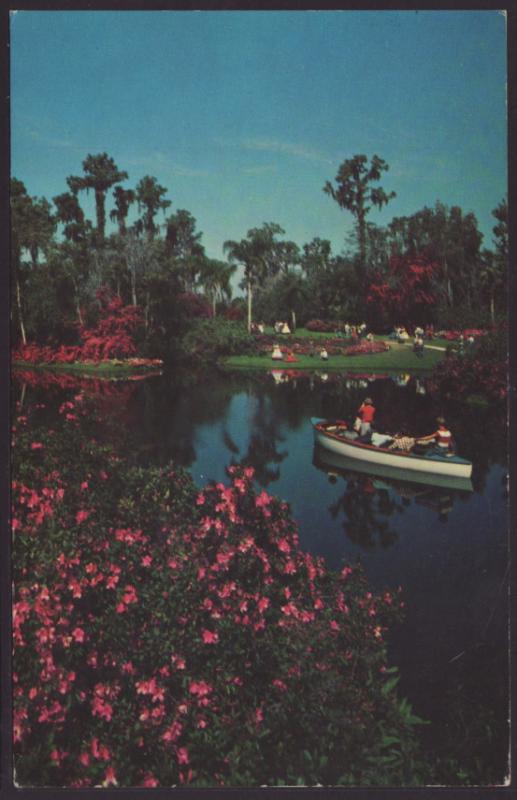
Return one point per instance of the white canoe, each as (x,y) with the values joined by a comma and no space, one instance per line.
(338,439)
(394,476)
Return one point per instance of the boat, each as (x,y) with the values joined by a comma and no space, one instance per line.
(337,437)
(387,476)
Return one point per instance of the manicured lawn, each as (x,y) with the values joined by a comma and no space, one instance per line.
(303,333)
(397,358)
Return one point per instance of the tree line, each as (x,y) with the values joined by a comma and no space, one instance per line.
(60,259)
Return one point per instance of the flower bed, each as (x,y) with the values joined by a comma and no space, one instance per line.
(453,335)
(334,346)
(73,354)
(367,347)
(165,635)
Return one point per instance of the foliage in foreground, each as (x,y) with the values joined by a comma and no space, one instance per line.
(165,635)
(482,370)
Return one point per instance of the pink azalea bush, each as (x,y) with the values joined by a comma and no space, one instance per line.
(113,337)
(165,635)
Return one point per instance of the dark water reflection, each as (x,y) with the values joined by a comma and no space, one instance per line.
(447,547)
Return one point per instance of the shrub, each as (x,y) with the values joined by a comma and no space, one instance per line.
(194,306)
(235,313)
(208,340)
(112,337)
(167,635)
(320,326)
(481,370)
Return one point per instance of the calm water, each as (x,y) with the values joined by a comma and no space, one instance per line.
(446,548)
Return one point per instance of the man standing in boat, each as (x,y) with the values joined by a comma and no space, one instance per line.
(366,414)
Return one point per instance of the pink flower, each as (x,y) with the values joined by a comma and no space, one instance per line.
(182,755)
(81,516)
(173,732)
(150,780)
(36,446)
(209,637)
(262,499)
(110,778)
(84,485)
(201,689)
(78,634)
(278,684)
(262,604)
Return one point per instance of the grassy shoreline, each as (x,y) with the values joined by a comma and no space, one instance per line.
(105,369)
(397,358)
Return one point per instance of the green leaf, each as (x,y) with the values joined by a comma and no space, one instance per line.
(389,740)
(389,685)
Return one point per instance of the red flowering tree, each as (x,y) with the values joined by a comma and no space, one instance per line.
(407,293)
(113,337)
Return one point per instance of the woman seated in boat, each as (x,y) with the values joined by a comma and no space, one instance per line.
(402,441)
(285,328)
(323,354)
(276,355)
(290,357)
(441,439)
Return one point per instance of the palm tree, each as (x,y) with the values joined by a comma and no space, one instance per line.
(215,278)
(149,196)
(259,256)
(123,199)
(71,215)
(248,253)
(292,291)
(101,173)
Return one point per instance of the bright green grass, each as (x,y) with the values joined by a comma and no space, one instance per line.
(397,359)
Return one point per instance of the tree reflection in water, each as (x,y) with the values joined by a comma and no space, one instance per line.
(366,508)
(262,452)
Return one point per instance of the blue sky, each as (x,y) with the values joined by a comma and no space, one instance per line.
(243,116)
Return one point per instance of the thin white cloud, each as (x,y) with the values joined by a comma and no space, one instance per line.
(275,146)
(161,161)
(43,137)
(287,148)
(259,170)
